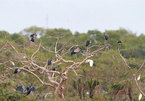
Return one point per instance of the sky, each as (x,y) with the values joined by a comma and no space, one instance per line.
(76,15)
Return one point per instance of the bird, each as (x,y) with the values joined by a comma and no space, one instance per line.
(12,63)
(16,71)
(32,37)
(20,88)
(88,42)
(138,78)
(140,96)
(72,53)
(87,93)
(119,42)
(106,36)
(54,68)
(77,50)
(30,89)
(50,61)
(91,62)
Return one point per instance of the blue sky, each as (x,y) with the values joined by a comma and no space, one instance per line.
(77,15)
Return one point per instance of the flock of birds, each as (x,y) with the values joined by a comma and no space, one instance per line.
(27,90)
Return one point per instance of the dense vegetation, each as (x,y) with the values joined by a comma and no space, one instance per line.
(100,82)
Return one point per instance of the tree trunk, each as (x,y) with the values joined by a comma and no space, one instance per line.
(91,94)
(130,94)
(81,91)
(59,91)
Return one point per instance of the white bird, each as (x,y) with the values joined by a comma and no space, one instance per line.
(91,62)
(140,96)
(12,63)
(138,78)
(87,93)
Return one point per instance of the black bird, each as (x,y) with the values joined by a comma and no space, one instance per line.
(16,71)
(33,35)
(73,52)
(119,42)
(106,36)
(88,42)
(50,61)
(77,50)
(20,88)
(30,89)
(32,39)
(54,69)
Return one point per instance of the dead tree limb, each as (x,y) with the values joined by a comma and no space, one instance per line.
(31,65)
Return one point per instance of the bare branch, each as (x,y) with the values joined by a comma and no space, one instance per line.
(38,78)
(140,67)
(133,75)
(36,51)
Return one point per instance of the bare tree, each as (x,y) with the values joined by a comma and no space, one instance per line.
(31,65)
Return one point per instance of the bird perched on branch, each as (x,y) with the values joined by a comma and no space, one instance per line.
(16,71)
(106,36)
(91,62)
(32,37)
(119,42)
(138,78)
(21,89)
(88,42)
(50,61)
(30,89)
(12,63)
(140,96)
(25,90)
(54,68)
(77,50)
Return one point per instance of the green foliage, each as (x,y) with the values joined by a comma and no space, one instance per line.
(17,38)
(3,34)
(109,74)
(97,36)
(5,95)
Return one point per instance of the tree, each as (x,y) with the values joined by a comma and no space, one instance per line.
(133,76)
(52,78)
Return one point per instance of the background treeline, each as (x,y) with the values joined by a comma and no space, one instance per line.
(100,82)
